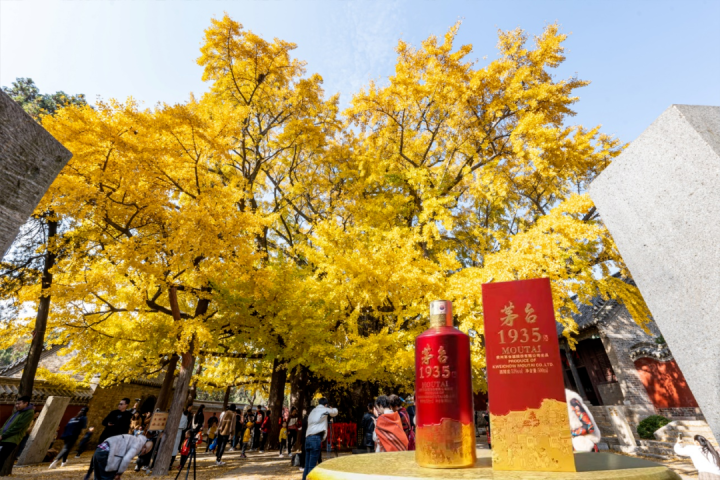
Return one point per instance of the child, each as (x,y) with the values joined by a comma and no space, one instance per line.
(84,441)
(247,437)
(283,438)
(212,433)
(185,448)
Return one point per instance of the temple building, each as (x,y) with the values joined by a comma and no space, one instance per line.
(616,362)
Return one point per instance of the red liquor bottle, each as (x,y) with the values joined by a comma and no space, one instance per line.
(445,433)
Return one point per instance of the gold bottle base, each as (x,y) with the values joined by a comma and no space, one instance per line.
(451,444)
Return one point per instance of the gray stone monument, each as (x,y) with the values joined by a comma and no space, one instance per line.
(660,199)
(45,430)
(30,159)
(622,428)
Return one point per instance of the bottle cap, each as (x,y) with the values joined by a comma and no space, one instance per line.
(441,313)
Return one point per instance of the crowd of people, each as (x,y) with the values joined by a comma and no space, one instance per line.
(388,425)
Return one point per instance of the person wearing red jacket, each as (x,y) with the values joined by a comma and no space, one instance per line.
(265,431)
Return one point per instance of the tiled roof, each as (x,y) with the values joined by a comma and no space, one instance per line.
(9,392)
(591,314)
(19,364)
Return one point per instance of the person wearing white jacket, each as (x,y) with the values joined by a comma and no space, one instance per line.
(703,455)
(113,456)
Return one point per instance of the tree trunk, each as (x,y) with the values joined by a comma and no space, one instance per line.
(187,365)
(226,397)
(298,384)
(38,340)
(275,402)
(193,390)
(162,462)
(164,395)
(311,386)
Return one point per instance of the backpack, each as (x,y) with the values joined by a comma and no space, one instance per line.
(185,450)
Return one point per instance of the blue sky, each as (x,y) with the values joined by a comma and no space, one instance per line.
(641,56)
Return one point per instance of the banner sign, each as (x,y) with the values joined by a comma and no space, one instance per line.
(158,421)
(528,412)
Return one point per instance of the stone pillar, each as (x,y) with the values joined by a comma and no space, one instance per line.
(44,431)
(625,434)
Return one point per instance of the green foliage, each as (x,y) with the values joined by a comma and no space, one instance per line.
(650,425)
(26,93)
(9,355)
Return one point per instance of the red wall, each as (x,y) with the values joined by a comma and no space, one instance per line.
(665,383)
(70,412)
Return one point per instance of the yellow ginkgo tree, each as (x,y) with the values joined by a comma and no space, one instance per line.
(258,232)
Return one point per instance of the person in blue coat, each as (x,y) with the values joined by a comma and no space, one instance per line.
(70,434)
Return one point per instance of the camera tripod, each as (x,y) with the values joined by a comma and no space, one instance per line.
(192,460)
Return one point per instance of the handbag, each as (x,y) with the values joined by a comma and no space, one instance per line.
(213,444)
(296,460)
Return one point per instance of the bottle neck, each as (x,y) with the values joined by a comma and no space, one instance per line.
(437,321)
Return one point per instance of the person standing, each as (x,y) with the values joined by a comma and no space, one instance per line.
(368,427)
(117,422)
(316,433)
(294,425)
(704,457)
(189,415)
(183,426)
(212,420)
(397,406)
(486,416)
(15,427)
(211,438)
(264,431)
(283,437)
(301,439)
(112,457)
(259,418)
(411,410)
(25,438)
(136,424)
(388,435)
(236,440)
(70,434)
(226,428)
(198,420)
(247,436)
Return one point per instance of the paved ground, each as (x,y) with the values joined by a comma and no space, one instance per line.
(684,467)
(265,466)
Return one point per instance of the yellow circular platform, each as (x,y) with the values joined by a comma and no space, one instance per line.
(402,466)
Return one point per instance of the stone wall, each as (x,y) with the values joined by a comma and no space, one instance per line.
(633,414)
(619,333)
(106,399)
(682,413)
(600,415)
